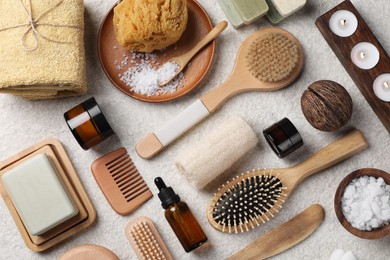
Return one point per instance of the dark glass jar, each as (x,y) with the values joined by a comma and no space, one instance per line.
(88,124)
(283,137)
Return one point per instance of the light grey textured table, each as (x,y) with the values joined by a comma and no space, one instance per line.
(23,123)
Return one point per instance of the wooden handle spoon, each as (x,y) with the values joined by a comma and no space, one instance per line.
(183,59)
(284,236)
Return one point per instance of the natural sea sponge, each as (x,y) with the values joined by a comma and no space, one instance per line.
(147,25)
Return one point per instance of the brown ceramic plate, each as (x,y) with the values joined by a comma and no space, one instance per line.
(198,26)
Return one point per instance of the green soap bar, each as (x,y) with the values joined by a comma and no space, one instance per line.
(251,10)
(273,15)
(231,13)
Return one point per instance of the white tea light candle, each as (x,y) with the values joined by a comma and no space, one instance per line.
(343,23)
(365,55)
(381,87)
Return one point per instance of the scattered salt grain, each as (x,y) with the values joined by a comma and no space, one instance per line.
(144,74)
(365,203)
(145,80)
(167,71)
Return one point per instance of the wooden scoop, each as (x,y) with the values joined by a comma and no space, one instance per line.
(269,59)
(375,233)
(183,59)
(284,236)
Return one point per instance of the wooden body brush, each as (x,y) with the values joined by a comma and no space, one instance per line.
(267,60)
(254,197)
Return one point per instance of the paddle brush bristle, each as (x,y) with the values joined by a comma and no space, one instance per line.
(272,57)
(246,201)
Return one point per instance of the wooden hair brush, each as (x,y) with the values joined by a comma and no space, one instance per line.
(254,197)
(269,59)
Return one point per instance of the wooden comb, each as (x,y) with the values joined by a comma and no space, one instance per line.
(145,239)
(120,181)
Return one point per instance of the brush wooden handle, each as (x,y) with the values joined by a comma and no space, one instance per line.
(337,151)
(240,80)
(284,236)
(155,142)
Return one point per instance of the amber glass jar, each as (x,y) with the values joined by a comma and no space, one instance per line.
(88,124)
(180,218)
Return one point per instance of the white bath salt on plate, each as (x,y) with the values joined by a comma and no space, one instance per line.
(167,71)
(145,80)
(365,203)
(145,75)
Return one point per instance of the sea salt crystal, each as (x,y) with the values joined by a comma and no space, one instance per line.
(167,71)
(365,203)
(145,80)
(144,75)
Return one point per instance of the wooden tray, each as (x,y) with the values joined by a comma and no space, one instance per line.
(342,47)
(86,216)
(198,26)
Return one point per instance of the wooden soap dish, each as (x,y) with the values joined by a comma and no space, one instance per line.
(375,233)
(71,182)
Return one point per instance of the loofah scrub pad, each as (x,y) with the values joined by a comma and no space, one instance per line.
(272,57)
(147,25)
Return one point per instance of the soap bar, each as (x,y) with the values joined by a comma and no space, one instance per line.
(38,195)
(288,7)
(251,10)
(273,15)
(231,13)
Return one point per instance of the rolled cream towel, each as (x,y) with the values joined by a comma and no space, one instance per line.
(216,152)
(56,68)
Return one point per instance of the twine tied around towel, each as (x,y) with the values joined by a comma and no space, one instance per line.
(33,23)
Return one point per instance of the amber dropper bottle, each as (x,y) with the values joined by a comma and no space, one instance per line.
(180,218)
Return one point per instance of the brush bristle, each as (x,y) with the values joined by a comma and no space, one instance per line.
(248,203)
(272,57)
(146,243)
